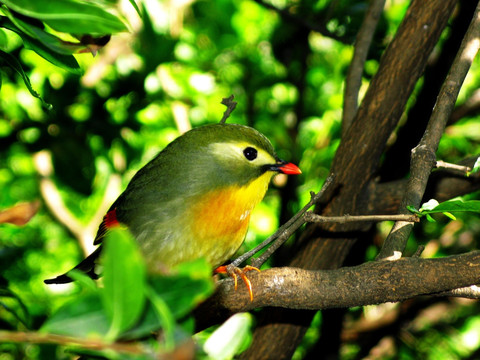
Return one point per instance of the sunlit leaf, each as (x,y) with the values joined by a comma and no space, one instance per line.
(73,17)
(456,205)
(124,274)
(11,61)
(228,339)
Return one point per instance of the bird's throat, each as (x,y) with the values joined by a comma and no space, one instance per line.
(222,215)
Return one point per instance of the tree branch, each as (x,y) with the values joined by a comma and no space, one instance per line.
(370,283)
(90,344)
(231,105)
(353,81)
(423,155)
(311,217)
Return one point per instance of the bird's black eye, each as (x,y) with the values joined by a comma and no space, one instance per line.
(250,153)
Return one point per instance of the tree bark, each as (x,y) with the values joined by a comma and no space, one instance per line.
(355,164)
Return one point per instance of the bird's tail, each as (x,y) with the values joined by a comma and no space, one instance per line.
(87,266)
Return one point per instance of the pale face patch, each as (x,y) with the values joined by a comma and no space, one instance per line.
(235,152)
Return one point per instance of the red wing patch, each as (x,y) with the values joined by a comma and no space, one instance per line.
(110,219)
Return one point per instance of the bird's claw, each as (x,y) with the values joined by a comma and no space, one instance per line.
(234,271)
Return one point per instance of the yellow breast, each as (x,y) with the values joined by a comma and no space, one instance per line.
(221,217)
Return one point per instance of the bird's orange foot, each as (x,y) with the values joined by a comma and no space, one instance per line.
(234,271)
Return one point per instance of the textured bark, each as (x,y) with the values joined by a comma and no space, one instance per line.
(355,164)
(371,283)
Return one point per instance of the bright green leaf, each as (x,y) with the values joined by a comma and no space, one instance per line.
(124,279)
(82,317)
(66,62)
(11,61)
(449,215)
(51,48)
(456,205)
(228,339)
(73,17)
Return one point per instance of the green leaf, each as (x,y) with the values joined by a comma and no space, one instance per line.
(3,40)
(164,316)
(412,209)
(54,51)
(11,303)
(124,279)
(449,215)
(226,341)
(135,6)
(73,17)
(455,205)
(181,293)
(12,62)
(476,166)
(25,30)
(82,317)
(66,62)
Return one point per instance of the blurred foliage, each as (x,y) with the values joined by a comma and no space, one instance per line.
(111,113)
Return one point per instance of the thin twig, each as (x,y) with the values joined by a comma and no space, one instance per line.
(311,217)
(90,344)
(448,166)
(353,81)
(231,105)
(423,155)
(284,232)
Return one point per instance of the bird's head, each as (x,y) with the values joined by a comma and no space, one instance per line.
(230,154)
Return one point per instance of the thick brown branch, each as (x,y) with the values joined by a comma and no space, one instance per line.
(423,155)
(370,283)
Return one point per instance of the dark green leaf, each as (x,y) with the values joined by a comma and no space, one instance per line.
(52,49)
(26,30)
(181,293)
(11,303)
(124,281)
(73,17)
(164,316)
(66,62)
(412,209)
(3,40)
(82,317)
(12,62)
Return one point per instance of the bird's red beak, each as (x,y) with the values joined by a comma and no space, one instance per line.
(289,169)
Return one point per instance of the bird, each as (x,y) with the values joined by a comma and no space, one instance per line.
(194,199)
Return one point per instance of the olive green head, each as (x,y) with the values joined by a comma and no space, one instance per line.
(223,154)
